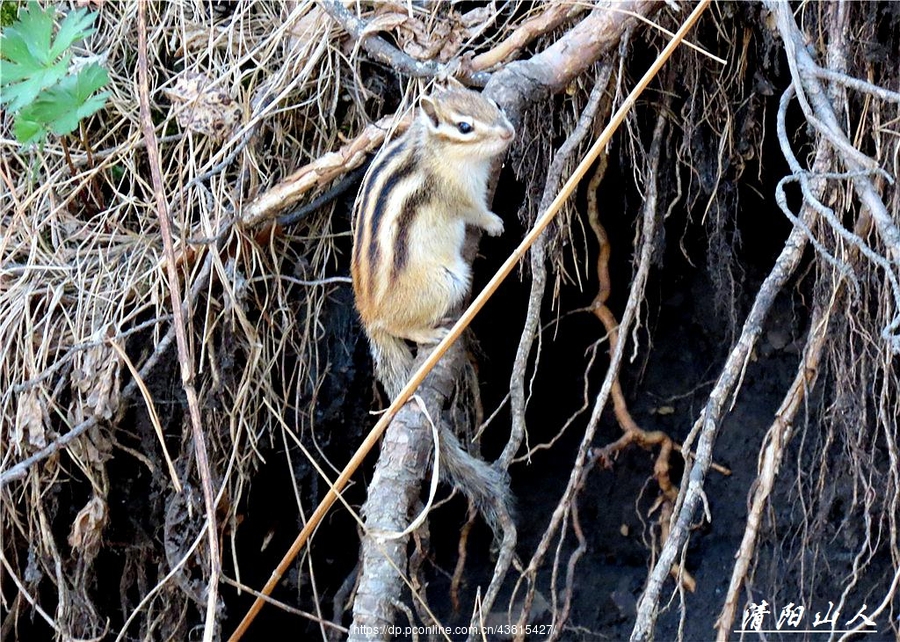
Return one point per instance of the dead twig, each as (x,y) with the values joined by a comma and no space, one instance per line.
(776,440)
(383,52)
(522,82)
(539,269)
(456,578)
(161,349)
(287,608)
(518,400)
(711,417)
(560,622)
(780,432)
(185,356)
(635,298)
(322,171)
(393,492)
(632,432)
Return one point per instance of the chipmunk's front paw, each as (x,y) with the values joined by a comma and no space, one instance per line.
(494,225)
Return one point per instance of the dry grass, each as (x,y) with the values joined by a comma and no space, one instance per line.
(84,300)
(82,272)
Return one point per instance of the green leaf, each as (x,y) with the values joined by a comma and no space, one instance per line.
(32,82)
(28,131)
(34,29)
(68,122)
(75,27)
(62,106)
(32,64)
(14,47)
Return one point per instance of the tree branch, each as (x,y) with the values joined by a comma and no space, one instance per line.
(384,52)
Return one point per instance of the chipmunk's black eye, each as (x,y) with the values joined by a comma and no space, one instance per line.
(464,127)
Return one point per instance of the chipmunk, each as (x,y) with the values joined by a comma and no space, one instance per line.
(408,270)
(410,224)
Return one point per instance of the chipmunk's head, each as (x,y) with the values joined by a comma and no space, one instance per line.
(468,125)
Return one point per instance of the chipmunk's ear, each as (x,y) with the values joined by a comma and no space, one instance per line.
(448,83)
(453,83)
(429,108)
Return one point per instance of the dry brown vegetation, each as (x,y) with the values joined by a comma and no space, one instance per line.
(157,459)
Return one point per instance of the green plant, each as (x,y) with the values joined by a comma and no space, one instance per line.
(8,11)
(36,84)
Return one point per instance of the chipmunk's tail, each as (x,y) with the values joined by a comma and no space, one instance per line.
(393,361)
(486,486)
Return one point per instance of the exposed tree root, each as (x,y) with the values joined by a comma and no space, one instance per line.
(632,432)
(821,116)
(695,472)
(393,492)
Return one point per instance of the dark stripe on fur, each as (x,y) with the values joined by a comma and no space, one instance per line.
(375,169)
(363,235)
(402,171)
(418,199)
